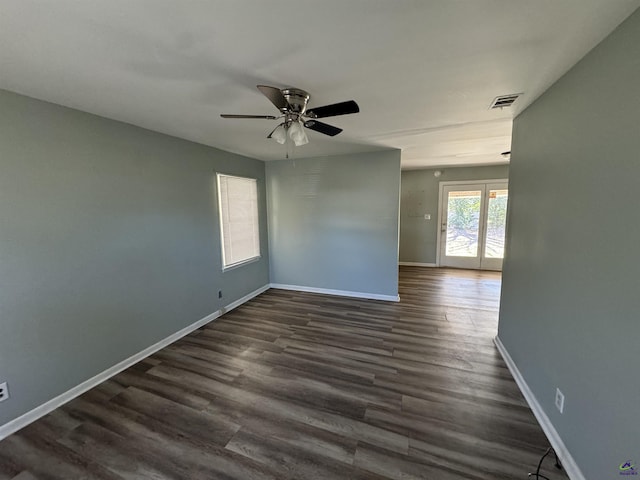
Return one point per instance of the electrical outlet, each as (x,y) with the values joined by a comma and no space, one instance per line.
(559,400)
(4,392)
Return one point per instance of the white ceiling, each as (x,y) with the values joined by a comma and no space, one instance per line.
(423,71)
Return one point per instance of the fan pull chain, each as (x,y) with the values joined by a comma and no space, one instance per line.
(288,143)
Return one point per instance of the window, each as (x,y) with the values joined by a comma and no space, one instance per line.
(239,230)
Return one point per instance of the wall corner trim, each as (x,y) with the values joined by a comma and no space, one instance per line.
(568,463)
(47,407)
(339,293)
(416,264)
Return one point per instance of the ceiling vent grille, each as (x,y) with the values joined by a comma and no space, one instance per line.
(504,101)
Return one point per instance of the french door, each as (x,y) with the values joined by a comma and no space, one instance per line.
(472,225)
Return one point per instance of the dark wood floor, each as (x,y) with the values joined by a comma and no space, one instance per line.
(304,386)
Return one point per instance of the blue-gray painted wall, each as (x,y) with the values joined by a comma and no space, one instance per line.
(109,242)
(570,310)
(333,222)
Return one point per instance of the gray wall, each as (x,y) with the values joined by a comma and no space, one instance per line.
(109,242)
(333,222)
(570,304)
(418,237)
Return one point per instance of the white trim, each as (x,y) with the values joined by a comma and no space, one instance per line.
(47,407)
(568,463)
(417,264)
(242,263)
(439,225)
(244,299)
(340,293)
(474,182)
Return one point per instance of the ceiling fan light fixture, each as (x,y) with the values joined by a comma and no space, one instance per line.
(297,134)
(280,134)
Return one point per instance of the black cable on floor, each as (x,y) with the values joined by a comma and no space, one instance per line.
(538,475)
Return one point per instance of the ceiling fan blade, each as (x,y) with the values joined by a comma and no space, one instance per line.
(275,96)
(342,108)
(267,117)
(322,128)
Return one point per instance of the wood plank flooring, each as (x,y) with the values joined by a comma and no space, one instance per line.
(305,386)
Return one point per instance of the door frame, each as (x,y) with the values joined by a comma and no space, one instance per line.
(441,186)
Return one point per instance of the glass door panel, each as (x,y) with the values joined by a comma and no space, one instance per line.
(496,223)
(473,225)
(494,236)
(463,223)
(461,228)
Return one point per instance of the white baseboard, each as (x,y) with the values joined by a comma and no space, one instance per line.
(417,264)
(568,463)
(244,299)
(38,412)
(340,293)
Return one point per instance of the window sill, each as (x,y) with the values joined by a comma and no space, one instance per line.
(241,264)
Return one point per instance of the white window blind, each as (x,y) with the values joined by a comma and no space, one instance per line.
(238,204)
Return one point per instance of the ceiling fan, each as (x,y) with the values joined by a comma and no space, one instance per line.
(292,103)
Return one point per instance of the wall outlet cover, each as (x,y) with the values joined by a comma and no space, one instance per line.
(4,392)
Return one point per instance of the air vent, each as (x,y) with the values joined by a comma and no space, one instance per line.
(504,101)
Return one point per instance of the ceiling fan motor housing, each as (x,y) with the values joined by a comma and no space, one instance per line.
(297,100)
